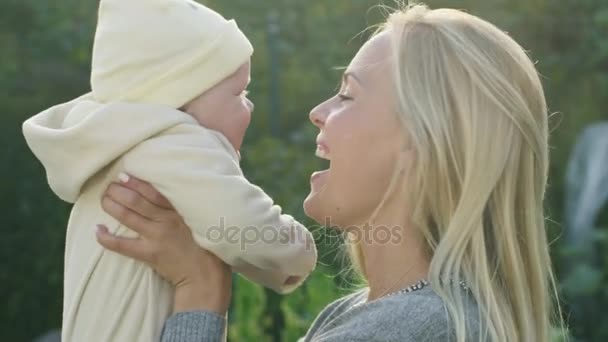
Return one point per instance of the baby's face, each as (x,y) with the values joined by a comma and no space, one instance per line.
(225,107)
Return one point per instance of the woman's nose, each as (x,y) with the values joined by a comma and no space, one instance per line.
(318,116)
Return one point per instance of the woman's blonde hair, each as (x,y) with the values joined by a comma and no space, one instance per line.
(473,104)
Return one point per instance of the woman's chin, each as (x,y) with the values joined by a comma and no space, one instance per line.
(313,207)
(308,207)
(310,204)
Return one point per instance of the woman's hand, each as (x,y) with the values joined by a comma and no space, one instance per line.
(202,281)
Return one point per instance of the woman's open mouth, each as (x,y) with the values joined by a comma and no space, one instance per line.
(319,177)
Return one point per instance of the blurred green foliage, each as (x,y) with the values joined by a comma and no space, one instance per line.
(45,50)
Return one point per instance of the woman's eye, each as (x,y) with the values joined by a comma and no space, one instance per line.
(344,97)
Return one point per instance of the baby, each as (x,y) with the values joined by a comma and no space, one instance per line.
(168,105)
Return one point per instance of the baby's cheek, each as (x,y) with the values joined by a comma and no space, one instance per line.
(237,125)
(242,117)
(247,118)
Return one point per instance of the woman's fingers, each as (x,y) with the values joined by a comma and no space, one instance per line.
(128,217)
(146,190)
(134,248)
(134,201)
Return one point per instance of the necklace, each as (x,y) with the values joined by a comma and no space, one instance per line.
(420,284)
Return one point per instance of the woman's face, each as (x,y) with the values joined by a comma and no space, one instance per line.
(225,107)
(361,136)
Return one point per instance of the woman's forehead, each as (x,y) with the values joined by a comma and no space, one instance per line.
(373,57)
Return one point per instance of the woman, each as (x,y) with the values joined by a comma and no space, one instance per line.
(441,123)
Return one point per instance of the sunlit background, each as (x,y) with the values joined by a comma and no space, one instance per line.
(45,51)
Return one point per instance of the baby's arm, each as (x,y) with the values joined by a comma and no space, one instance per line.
(229,216)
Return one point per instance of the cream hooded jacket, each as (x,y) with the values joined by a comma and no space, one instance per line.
(84,145)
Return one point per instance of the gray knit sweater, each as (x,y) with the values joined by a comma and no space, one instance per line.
(418,316)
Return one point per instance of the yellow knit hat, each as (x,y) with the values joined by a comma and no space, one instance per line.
(164,52)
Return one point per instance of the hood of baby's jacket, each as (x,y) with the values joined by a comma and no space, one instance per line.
(75,140)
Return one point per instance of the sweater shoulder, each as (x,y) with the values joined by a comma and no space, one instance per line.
(416,316)
(333,310)
(420,316)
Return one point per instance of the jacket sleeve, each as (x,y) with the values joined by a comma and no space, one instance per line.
(194,326)
(198,171)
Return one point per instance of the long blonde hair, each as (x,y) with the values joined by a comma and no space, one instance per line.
(473,104)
